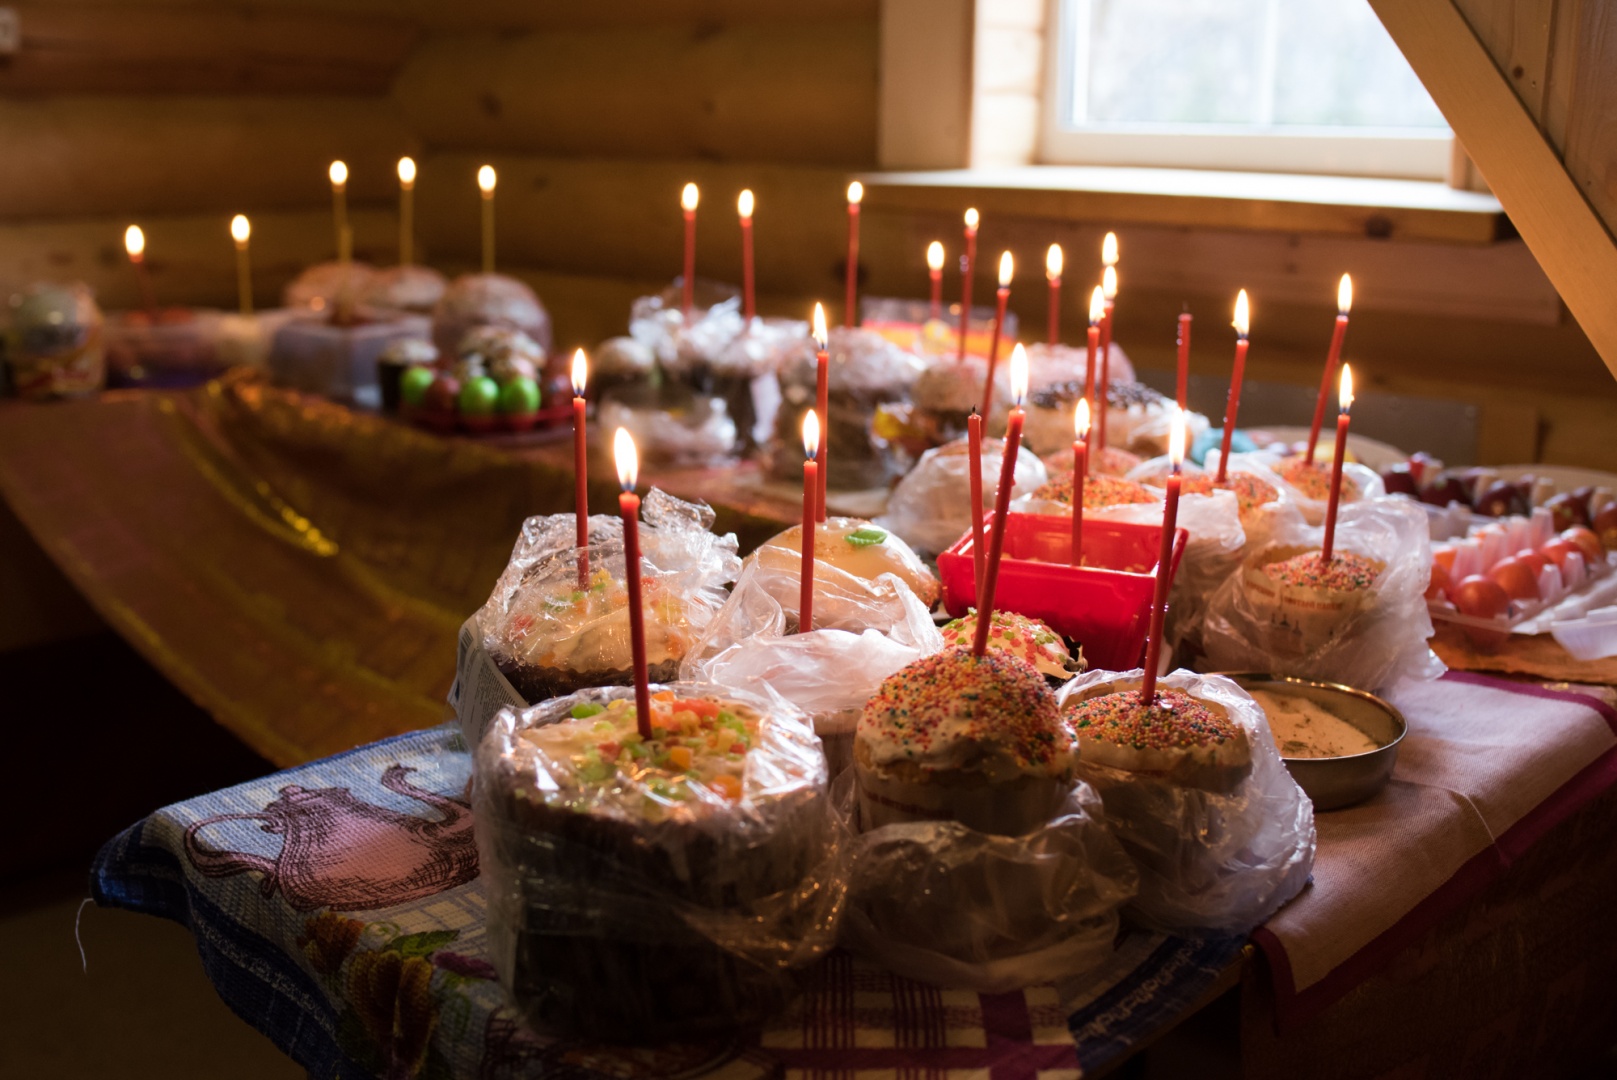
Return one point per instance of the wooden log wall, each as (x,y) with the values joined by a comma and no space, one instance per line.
(177,114)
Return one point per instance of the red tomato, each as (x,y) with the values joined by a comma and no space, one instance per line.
(1517,578)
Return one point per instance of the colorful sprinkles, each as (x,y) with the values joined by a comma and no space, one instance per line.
(1250,491)
(1099,492)
(1175,720)
(1346,571)
(1313,480)
(1027,639)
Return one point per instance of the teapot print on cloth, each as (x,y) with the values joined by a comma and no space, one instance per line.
(345,854)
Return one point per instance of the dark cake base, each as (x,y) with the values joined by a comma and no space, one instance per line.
(537,684)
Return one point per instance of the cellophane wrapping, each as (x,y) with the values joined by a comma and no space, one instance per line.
(864,632)
(931,507)
(1367,483)
(1207,860)
(1370,640)
(699,431)
(619,914)
(946,904)
(684,569)
(680,343)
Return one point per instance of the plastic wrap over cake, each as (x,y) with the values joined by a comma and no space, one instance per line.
(948,905)
(474,300)
(550,633)
(664,889)
(1309,486)
(659,322)
(1362,621)
(864,632)
(698,431)
(931,506)
(1222,857)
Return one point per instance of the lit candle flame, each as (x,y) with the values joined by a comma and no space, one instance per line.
(1108,249)
(1176,437)
(486,179)
(338,173)
(744,203)
(1097,306)
(1344,295)
(240,228)
(627,458)
(820,336)
(1108,282)
(134,241)
(856,192)
(934,256)
(971,219)
(1344,392)
(406,171)
(1080,419)
(581,372)
(811,434)
(689,197)
(1018,374)
(1007,267)
(1053,261)
(1243,315)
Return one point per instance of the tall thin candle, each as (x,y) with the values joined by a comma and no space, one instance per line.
(1170,522)
(1002,499)
(485,184)
(1344,398)
(1108,285)
(822,400)
(1344,304)
(688,198)
(749,306)
(974,486)
(628,462)
(406,211)
(1080,472)
(811,485)
(1053,260)
(240,230)
(135,247)
(1232,405)
(1097,308)
(1007,267)
(338,174)
(581,487)
(968,264)
(1182,384)
(934,271)
(850,312)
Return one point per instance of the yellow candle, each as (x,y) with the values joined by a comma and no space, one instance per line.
(485,184)
(240,230)
(339,209)
(406,210)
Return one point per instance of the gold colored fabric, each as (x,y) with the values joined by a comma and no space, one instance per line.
(298,569)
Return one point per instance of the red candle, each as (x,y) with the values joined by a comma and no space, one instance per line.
(1097,308)
(1344,303)
(1184,359)
(581,488)
(628,461)
(1002,500)
(934,270)
(1080,471)
(1007,266)
(749,306)
(1109,290)
(974,449)
(1233,403)
(1052,271)
(135,245)
(811,487)
(856,192)
(687,201)
(1344,397)
(968,263)
(1159,596)
(822,399)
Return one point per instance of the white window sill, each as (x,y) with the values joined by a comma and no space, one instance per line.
(1274,202)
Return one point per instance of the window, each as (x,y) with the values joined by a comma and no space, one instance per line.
(1256,85)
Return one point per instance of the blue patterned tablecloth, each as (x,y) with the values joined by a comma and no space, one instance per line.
(337,908)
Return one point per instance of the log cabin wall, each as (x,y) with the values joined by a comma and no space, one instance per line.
(178,114)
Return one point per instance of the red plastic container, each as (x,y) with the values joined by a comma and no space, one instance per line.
(1105,604)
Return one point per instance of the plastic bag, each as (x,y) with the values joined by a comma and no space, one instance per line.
(1221,861)
(865,631)
(1137,416)
(474,300)
(550,637)
(699,433)
(931,507)
(743,372)
(660,323)
(638,905)
(948,905)
(1369,638)
(1310,488)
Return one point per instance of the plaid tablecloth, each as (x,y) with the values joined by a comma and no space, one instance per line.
(336,907)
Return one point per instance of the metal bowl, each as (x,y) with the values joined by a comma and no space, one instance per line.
(1335,782)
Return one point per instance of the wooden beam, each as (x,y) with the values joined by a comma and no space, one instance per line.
(1561,228)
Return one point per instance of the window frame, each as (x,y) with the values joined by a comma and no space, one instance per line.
(1410,154)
